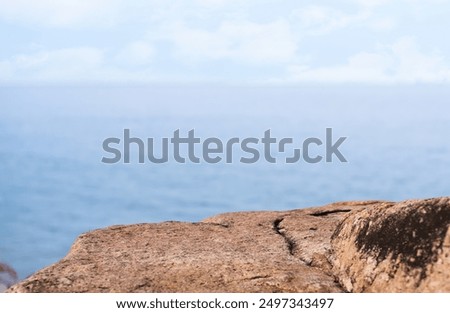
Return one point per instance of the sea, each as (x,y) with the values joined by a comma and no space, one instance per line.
(54,185)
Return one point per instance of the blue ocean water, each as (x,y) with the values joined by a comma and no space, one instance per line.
(53,185)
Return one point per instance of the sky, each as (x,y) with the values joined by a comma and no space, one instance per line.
(280,42)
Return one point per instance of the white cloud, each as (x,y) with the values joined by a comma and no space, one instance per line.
(137,53)
(212,3)
(401,62)
(80,65)
(372,3)
(182,40)
(240,41)
(66,58)
(413,65)
(317,20)
(55,65)
(61,13)
(382,24)
(323,20)
(93,13)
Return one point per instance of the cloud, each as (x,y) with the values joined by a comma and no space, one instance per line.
(108,13)
(83,65)
(325,19)
(137,53)
(61,13)
(318,20)
(372,3)
(253,43)
(223,40)
(401,62)
(213,3)
(397,63)
(54,65)
(382,24)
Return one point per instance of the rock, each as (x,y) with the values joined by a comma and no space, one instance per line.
(308,250)
(403,247)
(233,252)
(8,277)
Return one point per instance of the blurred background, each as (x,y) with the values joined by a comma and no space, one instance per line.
(74,73)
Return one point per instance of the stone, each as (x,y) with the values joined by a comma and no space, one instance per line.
(342,247)
(395,247)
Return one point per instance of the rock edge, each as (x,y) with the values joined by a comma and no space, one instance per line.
(365,246)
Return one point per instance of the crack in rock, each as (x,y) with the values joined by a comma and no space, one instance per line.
(279,230)
(325,213)
(258,277)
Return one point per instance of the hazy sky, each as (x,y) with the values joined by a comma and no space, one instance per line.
(224,41)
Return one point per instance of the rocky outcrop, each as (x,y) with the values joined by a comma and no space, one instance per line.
(402,247)
(7,277)
(347,246)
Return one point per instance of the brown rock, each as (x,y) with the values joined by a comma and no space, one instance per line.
(401,247)
(233,252)
(286,251)
(8,277)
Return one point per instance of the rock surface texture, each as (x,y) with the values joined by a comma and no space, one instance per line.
(389,247)
(370,246)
